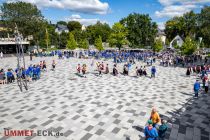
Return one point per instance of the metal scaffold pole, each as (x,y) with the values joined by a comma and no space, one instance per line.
(21,75)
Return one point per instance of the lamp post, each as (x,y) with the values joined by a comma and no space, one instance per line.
(200,40)
(59,33)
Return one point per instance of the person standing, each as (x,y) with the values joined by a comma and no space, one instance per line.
(206,86)
(107,69)
(84,70)
(196,88)
(153,71)
(31,56)
(1,55)
(53,65)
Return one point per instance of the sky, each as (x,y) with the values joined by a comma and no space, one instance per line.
(88,12)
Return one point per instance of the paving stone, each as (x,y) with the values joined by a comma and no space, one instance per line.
(86,137)
(47,122)
(106,107)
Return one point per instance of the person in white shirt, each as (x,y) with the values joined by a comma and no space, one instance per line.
(1,55)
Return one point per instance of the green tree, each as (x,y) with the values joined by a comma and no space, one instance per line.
(71,43)
(53,36)
(47,39)
(74,25)
(174,27)
(204,25)
(98,44)
(118,36)
(158,45)
(83,44)
(183,26)
(141,30)
(189,46)
(61,23)
(99,29)
(27,17)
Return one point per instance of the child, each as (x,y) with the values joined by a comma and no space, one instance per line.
(53,65)
(44,66)
(196,88)
(84,69)
(107,69)
(144,71)
(78,68)
(162,130)
(153,71)
(115,71)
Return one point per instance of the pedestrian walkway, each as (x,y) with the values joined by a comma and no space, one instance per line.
(103,108)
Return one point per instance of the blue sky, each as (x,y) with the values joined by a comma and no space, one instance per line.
(110,11)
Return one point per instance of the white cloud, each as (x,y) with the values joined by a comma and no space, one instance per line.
(83,6)
(83,21)
(161,25)
(173,8)
(182,2)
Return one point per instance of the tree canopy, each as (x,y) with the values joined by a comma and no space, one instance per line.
(27,17)
(99,29)
(74,26)
(192,25)
(118,36)
(141,30)
(71,43)
(183,26)
(98,44)
(189,46)
(158,45)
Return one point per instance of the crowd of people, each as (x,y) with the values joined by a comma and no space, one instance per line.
(156,127)
(31,73)
(202,74)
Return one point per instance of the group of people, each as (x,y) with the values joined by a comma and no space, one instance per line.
(156,128)
(82,69)
(202,72)
(33,72)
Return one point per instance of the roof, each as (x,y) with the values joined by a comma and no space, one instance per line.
(160,32)
(61,27)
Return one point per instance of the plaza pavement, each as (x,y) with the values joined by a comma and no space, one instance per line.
(102,108)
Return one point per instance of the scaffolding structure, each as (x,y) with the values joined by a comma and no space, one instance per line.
(21,69)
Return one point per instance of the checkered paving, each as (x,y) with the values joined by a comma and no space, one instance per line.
(103,108)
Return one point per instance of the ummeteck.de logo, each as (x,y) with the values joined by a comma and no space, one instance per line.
(15,133)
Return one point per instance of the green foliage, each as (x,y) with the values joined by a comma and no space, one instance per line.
(83,44)
(61,23)
(183,26)
(74,26)
(118,36)
(47,39)
(27,17)
(63,37)
(99,29)
(204,25)
(189,46)
(98,44)
(71,43)
(79,35)
(141,30)
(192,25)
(158,45)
